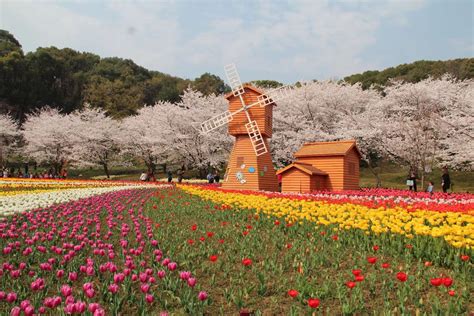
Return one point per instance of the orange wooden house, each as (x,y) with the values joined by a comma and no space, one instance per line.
(246,170)
(332,166)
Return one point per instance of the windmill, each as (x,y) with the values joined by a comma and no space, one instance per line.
(249,118)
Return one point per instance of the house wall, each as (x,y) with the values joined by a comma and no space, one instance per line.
(263,115)
(318,183)
(351,171)
(332,165)
(264,176)
(295,180)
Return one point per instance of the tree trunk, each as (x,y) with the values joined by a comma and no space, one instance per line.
(106,170)
(376,173)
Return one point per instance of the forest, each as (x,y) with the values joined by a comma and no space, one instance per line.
(66,79)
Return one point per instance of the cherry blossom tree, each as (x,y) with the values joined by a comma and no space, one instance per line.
(8,137)
(47,134)
(95,138)
(424,124)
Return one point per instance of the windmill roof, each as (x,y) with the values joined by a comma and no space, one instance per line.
(305,167)
(336,148)
(246,86)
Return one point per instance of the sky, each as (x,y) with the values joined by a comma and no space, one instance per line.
(280,40)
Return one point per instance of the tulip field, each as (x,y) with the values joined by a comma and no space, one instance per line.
(71,247)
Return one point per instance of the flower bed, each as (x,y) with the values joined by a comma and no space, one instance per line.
(372,215)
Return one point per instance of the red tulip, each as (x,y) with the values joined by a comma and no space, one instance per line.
(293,293)
(194,227)
(428,263)
(247,262)
(402,277)
(359,278)
(210,234)
(350,284)
(313,302)
(356,272)
(451,293)
(190,241)
(245,232)
(335,237)
(436,281)
(375,248)
(447,282)
(277,222)
(464,257)
(213,258)
(385,265)
(371,260)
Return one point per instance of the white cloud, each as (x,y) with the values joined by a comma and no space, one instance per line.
(301,40)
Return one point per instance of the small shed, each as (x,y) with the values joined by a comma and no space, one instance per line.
(302,177)
(334,166)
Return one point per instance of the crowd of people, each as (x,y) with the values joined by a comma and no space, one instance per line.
(47,174)
(445,182)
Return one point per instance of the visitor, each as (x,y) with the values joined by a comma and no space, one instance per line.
(170,177)
(180,173)
(210,177)
(430,188)
(411,181)
(217,177)
(445,180)
(143,176)
(151,176)
(280,179)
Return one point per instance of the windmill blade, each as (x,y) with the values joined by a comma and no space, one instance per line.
(234,80)
(216,122)
(256,138)
(273,96)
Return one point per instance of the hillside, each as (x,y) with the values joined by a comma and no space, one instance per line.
(462,68)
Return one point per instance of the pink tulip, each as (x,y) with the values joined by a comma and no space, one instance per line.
(72,276)
(15,311)
(172,266)
(191,282)
(42,310)
(161,274)
(113,288)
(145,288)
(29,310)
(90,293)
(66,290)
(87,286)
(60,273)
(24,304)
(202,296)
(99,312)
(80,307)
(143,277)
(149,298)
(93,307)
(3,295)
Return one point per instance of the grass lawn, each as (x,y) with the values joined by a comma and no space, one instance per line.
(392,177)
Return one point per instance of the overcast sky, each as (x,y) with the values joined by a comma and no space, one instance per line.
(281,40)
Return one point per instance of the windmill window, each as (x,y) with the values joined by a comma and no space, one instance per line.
(240,161)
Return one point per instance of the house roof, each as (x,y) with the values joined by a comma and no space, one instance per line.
(230,95)
(305,167)
(336,148)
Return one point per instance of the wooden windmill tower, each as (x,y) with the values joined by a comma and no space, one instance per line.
(250,118)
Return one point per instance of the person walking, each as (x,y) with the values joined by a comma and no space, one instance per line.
(210,177)
(411,181)
(170,177)
(217,177)
(180,173)
(445,180)
(430,188)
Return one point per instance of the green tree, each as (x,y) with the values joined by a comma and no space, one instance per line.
(208,84)
(268,84)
